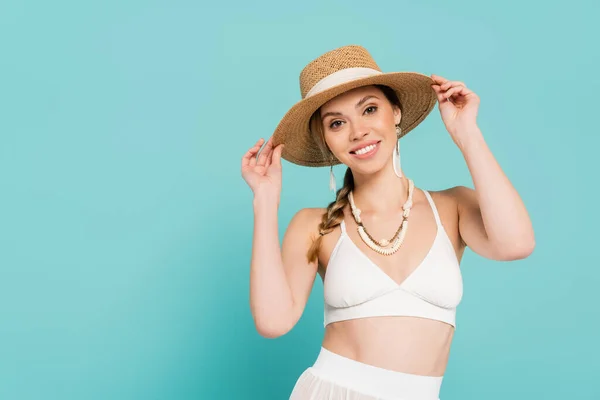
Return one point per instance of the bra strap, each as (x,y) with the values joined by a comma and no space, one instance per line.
(433,208)
(343,227)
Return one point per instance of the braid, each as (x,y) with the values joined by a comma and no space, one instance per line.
(333,216)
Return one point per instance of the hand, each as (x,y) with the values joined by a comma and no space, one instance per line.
(263,173)
(458,106)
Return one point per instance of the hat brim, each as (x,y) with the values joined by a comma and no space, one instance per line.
(415,93)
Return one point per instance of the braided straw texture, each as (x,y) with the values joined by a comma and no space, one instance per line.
(333,61)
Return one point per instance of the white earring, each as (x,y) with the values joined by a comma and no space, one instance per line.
(332,185)
(396,155)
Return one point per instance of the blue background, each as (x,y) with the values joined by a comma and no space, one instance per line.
(125,226)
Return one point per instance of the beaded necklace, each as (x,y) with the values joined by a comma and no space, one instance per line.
(385,247)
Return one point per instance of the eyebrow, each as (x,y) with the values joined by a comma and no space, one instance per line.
(360,103)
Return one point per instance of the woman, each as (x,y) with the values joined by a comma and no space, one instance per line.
(391,287)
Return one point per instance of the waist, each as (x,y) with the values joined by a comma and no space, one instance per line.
(369,379)
(414,345)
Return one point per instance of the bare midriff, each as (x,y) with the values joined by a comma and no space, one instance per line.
(411,345)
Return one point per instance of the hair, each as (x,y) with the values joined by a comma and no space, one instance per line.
(334,215)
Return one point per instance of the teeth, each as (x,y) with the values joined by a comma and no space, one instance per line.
(365,149)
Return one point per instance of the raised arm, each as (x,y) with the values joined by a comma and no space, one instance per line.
(281,278)
(493,220)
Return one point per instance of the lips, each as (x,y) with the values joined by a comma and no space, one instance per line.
(365,150)
(364,146)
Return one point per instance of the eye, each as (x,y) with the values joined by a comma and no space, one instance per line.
(333,124)
(373,108)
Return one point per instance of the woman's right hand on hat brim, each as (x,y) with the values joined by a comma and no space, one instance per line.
(263,173)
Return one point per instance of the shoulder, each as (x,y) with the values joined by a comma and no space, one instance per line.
(458,191)
(309,214)
(307,220)
(463,196)
(450,201)
(452,196)
(458,199)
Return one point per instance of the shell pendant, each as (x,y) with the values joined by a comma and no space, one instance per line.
(381,246)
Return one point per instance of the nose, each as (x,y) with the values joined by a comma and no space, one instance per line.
(358,131)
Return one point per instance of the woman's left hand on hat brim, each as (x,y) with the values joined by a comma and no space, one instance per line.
(458,107)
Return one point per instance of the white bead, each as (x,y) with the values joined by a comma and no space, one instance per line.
(399,239)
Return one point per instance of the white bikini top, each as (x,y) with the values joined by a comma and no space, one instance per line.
(355,287)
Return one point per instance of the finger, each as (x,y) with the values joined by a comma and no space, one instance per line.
(258,143)
(440,93)
(270,158)
(252,162)
(276,159)
(251,153)
(437,89)
(457,90)
(447,85)
(452,91)
(438,79)
(265,152)
(254,149)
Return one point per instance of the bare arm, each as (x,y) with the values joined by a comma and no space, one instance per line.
(280,277)
(493,220)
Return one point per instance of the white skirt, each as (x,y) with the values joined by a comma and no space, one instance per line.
(334,377)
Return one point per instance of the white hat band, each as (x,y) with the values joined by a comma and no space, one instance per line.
(341,76)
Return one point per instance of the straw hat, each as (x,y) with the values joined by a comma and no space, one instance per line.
(334,73)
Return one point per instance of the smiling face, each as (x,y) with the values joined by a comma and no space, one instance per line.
(358,127)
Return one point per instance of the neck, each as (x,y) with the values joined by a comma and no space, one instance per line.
(382,191)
